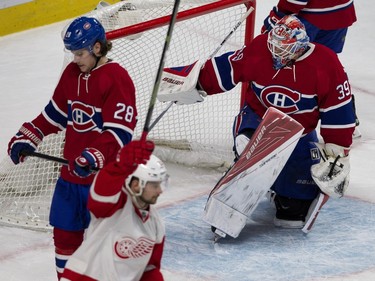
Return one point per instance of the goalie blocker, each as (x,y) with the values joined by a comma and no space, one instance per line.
(179,85)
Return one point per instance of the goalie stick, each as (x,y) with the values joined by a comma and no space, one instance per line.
(155,89)
(238,24)
(238,192)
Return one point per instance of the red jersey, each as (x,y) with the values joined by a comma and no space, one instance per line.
(97,110)
(122,242)
(324,14)
(315,88)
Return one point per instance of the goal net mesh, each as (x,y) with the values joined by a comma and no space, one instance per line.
(195,135)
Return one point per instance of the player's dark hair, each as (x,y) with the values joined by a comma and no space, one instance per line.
(105,47)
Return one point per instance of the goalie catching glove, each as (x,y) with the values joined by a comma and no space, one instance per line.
(179,85)
(332,173)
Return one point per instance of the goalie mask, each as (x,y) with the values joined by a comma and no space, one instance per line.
(287,41)
(153,171)
(83,33)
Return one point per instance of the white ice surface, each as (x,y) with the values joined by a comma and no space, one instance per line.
(30,66)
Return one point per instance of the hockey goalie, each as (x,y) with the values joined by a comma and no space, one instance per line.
(294,85)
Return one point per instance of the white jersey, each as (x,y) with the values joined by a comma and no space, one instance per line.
(118,247)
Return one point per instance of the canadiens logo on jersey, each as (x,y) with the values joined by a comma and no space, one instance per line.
(84,117)
(281,98)
(127,247)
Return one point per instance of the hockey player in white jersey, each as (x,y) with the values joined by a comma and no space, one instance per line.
(125,238)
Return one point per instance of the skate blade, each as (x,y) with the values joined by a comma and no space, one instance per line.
(218,235)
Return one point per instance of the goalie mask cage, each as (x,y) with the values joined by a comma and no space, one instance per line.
(195,135)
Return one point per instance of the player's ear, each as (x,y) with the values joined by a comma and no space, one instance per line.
(134,185)
(97,48)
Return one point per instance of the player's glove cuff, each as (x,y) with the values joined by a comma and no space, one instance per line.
(25,141)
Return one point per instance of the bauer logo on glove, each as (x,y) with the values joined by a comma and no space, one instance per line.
(179,84)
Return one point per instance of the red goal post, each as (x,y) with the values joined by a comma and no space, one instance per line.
(198,134)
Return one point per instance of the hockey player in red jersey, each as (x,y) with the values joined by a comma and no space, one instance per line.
(304,80)
(326,22)
(126,235)
(94,102)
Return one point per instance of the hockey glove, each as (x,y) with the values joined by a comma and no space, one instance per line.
(134,153)
(270,21)
(332,173)
(25,141)
(179,84)
(87,163)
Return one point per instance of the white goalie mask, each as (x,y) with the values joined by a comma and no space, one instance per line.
(153,171)
(287,41)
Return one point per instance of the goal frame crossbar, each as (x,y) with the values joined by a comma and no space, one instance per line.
(181,16)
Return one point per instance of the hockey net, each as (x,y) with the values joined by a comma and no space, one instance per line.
(194,135)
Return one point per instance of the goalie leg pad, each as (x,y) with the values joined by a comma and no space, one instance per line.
(238,193)
(224,218)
